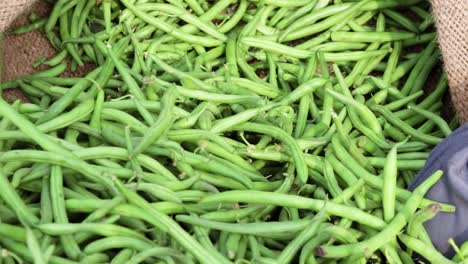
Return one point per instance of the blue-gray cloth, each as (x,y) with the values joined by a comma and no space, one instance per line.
(451,156)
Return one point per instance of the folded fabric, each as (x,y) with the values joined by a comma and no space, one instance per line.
(451,156)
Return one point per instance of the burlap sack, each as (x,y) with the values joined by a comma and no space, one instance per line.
(451,18)
(10,9)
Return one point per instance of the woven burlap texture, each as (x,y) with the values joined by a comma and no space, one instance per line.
(451,18)
(10,9)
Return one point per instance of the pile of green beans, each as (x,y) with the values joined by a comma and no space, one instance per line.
(230,131)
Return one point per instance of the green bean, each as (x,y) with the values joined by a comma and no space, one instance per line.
(171,227)
(364,112)
(78,113)
(278,133)
(283,3)
(58,159)
(9,84)
(231,215)
(123,256)
(369,178)
(393,132)
(95,258)
(90,205)
(159,192)
(317,15)
(289,251)
(306,88)
(297,14)
(102,211)
(423,38)
(428,101)
(13,200)
(416,71)
(296,202)
(158,252)
(258,88)
(354,151)
(40,23)
(276,48)
(123,70)
(425,71)
(34,248)
(390,117)
(419,11)
(217,97)
(75,18)
(221,168)
(404,101)
(65,34)
(347,175)
(116,242)
(184,15)
(106,7)
(415,223)
(389,232)
(51,72)
(340,46)
(58,208)
(68,6)
(332,23)
(119,153)
(402,20)
(437,119)
(218,150)
(57,107)
(370,36)
(422,249)
(169,29)
(354,55)
(265,229)
(219,121)
(390,172)
(431,99)
(332,183)
(24,252)
(13,232)
(344,196)
(195,6)
(51,22)
(156,130)
(101,229)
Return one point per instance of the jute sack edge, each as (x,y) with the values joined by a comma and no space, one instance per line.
(451,17)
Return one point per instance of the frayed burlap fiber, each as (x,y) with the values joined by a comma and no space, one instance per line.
(451,18)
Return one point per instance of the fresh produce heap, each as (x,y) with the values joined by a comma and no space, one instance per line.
(225,132)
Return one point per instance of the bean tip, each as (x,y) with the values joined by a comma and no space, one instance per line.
(320,251)
(435,207)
